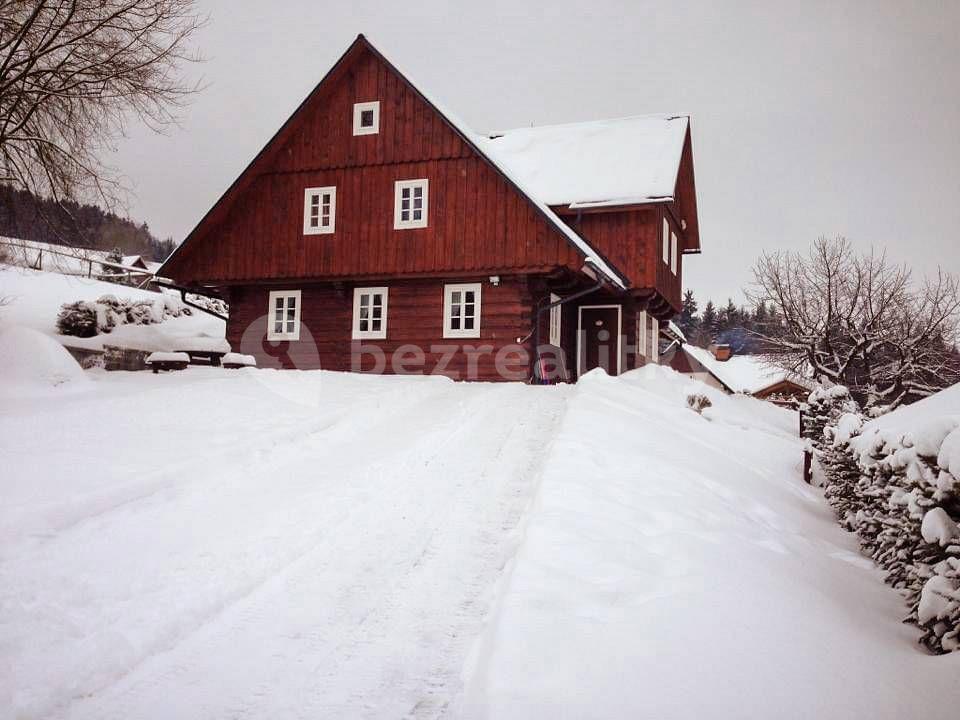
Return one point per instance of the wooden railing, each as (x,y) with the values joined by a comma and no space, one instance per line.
(81,262)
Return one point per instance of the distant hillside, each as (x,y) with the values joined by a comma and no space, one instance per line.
(24,216)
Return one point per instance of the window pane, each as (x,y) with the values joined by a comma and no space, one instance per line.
(468,323)
(404,215)
(366,118)
(417,214)
(418,192)
(470,294)
(455,323)
(375,324)
(405,193)
(455,297)
(418,202)
(405,203)
(364,312)
(364,300)
(278,303)
(364,325)
(291,314)
(278,327)
(377,299)
(292,301)
(290,326)
(314,200)
(326,221)
(377,312)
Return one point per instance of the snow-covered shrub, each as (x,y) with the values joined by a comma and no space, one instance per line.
(86,319)
(900,493)
(698,402)
(78,319)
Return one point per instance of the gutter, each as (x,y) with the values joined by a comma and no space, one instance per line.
(590,270)
(163,283)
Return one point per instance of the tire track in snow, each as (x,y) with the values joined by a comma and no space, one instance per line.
(373,628)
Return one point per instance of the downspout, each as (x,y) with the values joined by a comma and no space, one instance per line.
(601,281)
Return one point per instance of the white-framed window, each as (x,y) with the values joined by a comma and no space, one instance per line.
(654,331)
(410,204)
(366,118)
(370,313)
(642,334)
(673,253)
(319,210)
(666,242)
(283,317)
(555,320)
(461,310)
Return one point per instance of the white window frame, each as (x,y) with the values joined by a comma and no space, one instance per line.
(556,320)
(448,330)
(398,188)
(666,242)
(642,334)
(318,192)
(673,252)
(655,345)
(358,110)
(297,308)
(581,357)
(358,294)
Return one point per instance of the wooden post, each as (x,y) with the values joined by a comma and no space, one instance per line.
(808,466)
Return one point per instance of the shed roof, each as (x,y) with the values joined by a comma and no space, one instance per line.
(623,161)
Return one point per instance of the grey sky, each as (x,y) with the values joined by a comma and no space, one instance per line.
(809,118)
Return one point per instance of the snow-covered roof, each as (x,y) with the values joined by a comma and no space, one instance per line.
(483,146)
(593,164)
(743,373)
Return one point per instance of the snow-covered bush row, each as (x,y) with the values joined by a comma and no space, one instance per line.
(900,493)
(86,319)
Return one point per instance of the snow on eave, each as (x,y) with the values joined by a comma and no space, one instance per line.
(619,202)
(599,163)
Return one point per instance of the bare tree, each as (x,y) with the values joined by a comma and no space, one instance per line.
(860,321)
(73,73)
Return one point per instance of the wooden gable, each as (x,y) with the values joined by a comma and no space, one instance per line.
(479,221)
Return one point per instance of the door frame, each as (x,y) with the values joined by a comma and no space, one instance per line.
(580,348)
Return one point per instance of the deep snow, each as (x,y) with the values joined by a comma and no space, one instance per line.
(35,296)
(254,543)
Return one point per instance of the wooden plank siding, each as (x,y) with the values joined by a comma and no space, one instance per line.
(414,319)
(476,221)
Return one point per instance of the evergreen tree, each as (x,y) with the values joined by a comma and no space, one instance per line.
(707,331)
(688,321)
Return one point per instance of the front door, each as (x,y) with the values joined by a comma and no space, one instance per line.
(598,338)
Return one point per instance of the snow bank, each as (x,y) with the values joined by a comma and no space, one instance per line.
(677,567)
(38,296)
(33,364)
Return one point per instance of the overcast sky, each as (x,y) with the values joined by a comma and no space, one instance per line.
(809,118)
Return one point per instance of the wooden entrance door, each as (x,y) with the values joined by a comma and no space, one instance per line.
(598,338)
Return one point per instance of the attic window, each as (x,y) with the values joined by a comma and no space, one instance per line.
(319,210)
(673,253)
(366,118)
(666,242)
(410,204)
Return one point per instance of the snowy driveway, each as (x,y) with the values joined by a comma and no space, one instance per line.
(208,545)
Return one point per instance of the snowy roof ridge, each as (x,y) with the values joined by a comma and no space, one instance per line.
(581,123)
(629,160)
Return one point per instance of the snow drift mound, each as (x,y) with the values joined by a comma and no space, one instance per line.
(32,363)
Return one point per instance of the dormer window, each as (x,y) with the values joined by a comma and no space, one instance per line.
(319,210)
(366,118)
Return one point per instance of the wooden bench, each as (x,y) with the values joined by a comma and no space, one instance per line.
(167,361)
(204,357)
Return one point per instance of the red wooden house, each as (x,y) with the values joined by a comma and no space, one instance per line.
(376,232)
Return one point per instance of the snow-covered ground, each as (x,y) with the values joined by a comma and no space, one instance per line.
(263,544)
(34,298)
